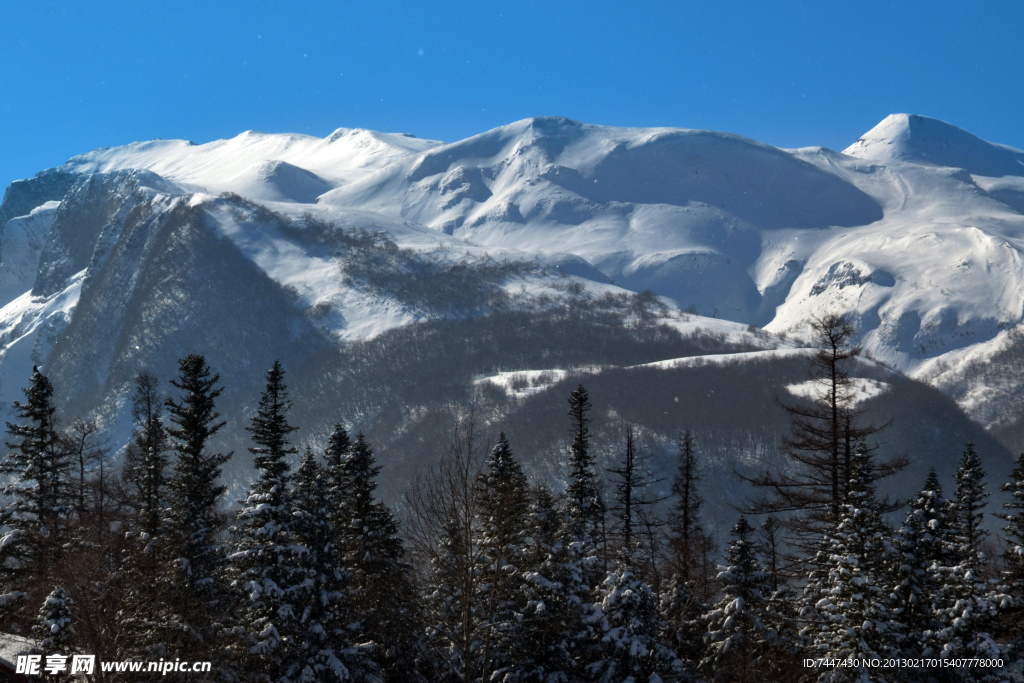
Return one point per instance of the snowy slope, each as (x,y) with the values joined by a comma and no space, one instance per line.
(916,230)
(259,165)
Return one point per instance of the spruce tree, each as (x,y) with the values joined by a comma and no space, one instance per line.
(585,504)
(320,649)
(856,616)
(1013,552)
(968,608)
(625,617)
(260,560)
(740,642)
(191,584)
(379,590)
(504,508)
(924,543)
(552,598)
(38,516)
(54,631)
(146,460)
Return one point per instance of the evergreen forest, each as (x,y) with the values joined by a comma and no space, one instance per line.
(484,575)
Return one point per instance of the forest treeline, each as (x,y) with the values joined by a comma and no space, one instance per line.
(488,576)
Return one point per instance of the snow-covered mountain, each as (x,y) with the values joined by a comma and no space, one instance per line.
(326,252)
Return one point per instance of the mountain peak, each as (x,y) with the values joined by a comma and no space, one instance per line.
(920,139)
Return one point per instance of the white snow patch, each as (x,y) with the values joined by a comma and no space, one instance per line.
(861,389)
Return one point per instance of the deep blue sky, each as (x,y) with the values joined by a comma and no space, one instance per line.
(79,75)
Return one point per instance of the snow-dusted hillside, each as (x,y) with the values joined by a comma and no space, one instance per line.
(274,245)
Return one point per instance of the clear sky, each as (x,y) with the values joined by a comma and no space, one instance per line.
(79,75)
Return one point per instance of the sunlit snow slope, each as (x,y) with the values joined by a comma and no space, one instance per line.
(916,229)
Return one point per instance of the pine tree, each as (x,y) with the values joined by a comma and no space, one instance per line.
(380,587)
(740,642)
(1013,553)
(146,461)
(320,649)
(38,515)
(967,606)
(504,507)
(625,616)
(856,618)
(191,585)
(924,542)
(586,507)
(261,567)
(54,631)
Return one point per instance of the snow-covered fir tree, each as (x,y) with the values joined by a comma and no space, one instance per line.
(781,614)
(968,605)
(1013,554)
(924,543)
(503,493)
(553,598)
(146,460)
(740,643)
(193,599)
(379,589)
(625,617)
(261,567)
(321,647)
(54,630)
(856,617)
(39,502)
(586,507)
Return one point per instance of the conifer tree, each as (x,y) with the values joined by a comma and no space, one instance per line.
(682,625)
(191,585)
(146,461)
(1013,552)
(504,508)
(924,543)
(855,612)
(586,507)
(740,641)
(625,616)
(967,607)
(553,598)
(54,631)
(37,470)
(261,553)
(320,649)
(379,590)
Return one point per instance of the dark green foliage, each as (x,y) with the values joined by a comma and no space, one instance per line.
(192,582)
(319,647)
(379,590)
(261,549)
(146,461)
(586,505)
(740,640)
(38,488)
